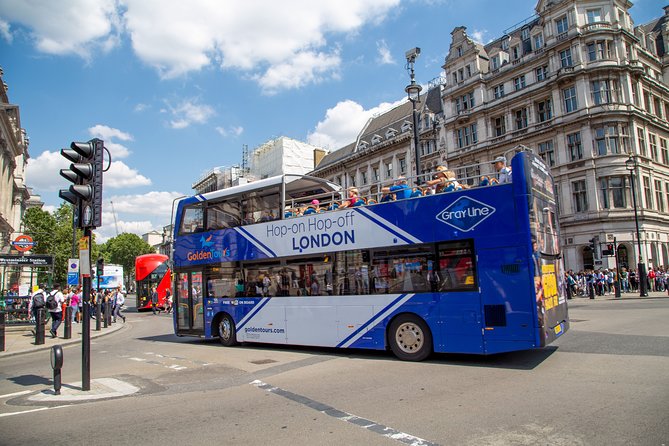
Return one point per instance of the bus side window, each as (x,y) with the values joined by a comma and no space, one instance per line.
(223,215)
(193,219)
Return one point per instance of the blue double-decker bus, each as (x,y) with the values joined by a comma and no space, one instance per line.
(476,270)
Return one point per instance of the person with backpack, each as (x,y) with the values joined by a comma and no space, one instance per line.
(37,301)
(54,302)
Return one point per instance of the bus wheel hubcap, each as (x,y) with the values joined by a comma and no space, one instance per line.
(409,337)
(224,329)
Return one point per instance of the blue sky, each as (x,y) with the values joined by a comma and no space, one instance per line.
(176,88)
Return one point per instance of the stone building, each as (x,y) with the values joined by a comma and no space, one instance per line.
(579,84)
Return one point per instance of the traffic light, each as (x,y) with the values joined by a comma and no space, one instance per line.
(593,244)
(85,174)
(610,250)
(100,266)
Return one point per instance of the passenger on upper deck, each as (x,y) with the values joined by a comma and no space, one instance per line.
(444,181)
(313,208)
(400,189)
(503,171)
(354,199)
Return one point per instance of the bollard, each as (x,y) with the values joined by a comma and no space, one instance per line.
(56,365)
(2,331)
(68,323)
(98,314)
(39,327)
(106,315)
(616,286)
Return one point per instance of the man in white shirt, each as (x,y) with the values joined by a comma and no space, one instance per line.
(57,312)
(503,171)
(120,300)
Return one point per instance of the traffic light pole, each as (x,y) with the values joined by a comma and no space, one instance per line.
(616,283)
(86,328)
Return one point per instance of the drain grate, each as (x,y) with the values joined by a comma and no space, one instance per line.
(262,361)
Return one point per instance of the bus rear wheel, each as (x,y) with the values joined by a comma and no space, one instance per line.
(410,338)
(226,331)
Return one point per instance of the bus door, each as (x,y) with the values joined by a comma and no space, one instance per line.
(190,305)
(507,298)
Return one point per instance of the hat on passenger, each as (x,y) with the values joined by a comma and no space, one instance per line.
(499,159)
(315,202)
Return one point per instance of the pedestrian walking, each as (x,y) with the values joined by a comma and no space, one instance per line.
(168,301)
(120,300)
(54,302)
(154,300)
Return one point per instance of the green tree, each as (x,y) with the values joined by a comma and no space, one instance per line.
(123,249)
(41,226)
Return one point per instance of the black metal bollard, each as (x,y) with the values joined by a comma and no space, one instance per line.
(68,323)
(2,331)
(98,314)
(39,327)
(592,291)
(106,315)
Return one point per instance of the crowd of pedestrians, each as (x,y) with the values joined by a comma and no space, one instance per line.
(601,282)
(56,302)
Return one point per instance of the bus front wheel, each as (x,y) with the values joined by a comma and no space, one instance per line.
(226,331)
(410,338)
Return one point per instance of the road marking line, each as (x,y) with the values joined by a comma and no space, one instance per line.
(9,395)
(371,426)
(137,359)
(31,410)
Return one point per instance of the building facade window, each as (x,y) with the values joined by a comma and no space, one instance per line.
(569,97)
(520,118)
(665,152)
(375,174)
(565,58)
(403,166)
(363,177)
(499,91)
(466,136)
(541,73)
(659,198)
(519,82)
(594,15)
(599,50)
(547,152)
(613,192)
(641,139)
(580,196)
(544,110)
(574,146)
(464,102)
(607,141)
(499,125)
(647,193)
(538,41)
(603,91)
(389,169)
(561,25)
(652,143)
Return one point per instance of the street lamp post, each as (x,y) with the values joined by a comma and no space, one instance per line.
(413,92)
(631,165)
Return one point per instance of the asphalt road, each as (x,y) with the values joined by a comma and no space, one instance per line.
(605,382)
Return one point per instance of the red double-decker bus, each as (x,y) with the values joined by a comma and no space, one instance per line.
(151,270)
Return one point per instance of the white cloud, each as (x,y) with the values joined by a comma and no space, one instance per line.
(385,56)
(106,134)
(188,112)
(478,35)
(108,228)
(152,203)
(231,131)
(5,31)
(268,41)
(78,27)
(305,68)
(141,107)
(343,123)
(121,175)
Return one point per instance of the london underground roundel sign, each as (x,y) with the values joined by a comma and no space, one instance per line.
(23,243)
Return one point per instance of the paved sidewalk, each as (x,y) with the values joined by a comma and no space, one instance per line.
(634,295)
(20,339)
